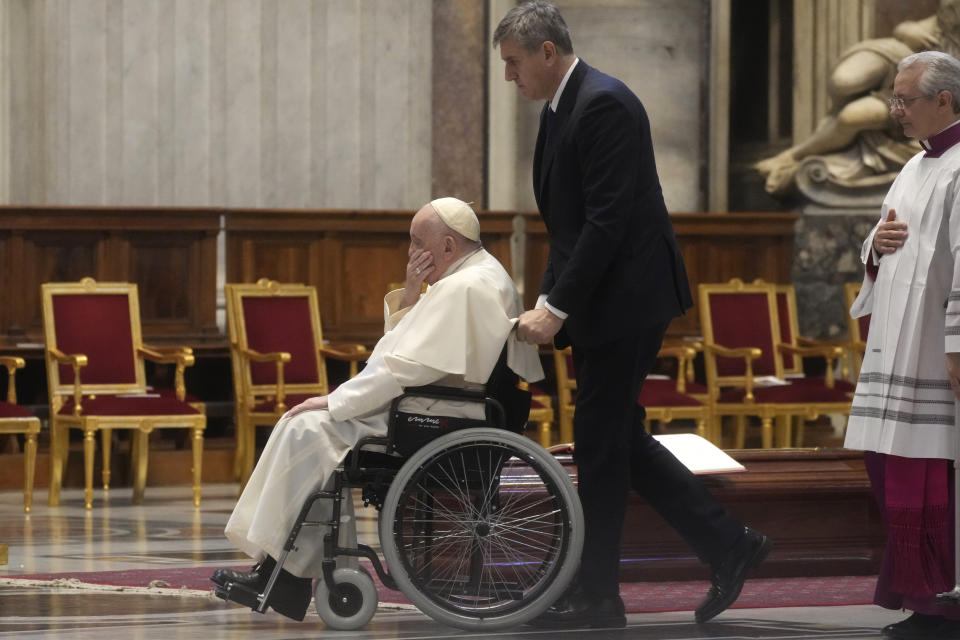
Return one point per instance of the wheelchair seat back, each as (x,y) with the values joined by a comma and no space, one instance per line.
(507,407)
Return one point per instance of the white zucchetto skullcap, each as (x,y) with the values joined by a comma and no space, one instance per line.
(458,215)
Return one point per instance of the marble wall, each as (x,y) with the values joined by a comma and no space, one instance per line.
(660,49)
(251,103)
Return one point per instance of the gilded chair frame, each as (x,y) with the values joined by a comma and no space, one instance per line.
(830,350)
(700,414)
(685,354)
(27,425)
(141,425)
(749,406)
(789,292)
(248,394)
(542,415)
(857,344)
(566,385)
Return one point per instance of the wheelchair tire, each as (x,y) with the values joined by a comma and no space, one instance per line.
(357,605)
(482,529)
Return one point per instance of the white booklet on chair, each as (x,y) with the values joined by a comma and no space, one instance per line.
(699,454)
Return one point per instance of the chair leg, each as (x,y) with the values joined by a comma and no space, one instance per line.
(56,465)
(766,433)
(197,463)
(141,441)
(740,437)
(29,465)
(566,428)
(801,427)
(249,455)
(544,431)
(702,428)
(89,442)
(106,443)
(783,435)
(240,454)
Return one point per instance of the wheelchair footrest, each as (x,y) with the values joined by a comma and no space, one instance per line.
(240,594)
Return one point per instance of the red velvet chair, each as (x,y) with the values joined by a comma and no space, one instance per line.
(664,399)
(667,399)
(96,381)
(744,352)
(15,419)
(793,365)
(278,357)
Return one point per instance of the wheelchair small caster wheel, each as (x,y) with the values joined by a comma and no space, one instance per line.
(353,603)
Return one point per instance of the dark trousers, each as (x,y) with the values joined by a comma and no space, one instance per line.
(614,452)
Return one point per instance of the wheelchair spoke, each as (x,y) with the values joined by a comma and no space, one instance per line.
(480,527)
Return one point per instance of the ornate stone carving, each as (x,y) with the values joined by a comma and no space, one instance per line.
(852,157)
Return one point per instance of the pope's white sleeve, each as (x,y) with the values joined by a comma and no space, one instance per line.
(376,386)
(952,318)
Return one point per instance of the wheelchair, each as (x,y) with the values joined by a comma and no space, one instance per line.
(479,526)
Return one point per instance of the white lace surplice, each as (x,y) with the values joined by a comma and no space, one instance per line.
(903,403)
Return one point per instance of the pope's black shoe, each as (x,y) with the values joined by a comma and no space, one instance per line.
(729,576)
(920,626)
(290,595)
(579,609)
(255,578)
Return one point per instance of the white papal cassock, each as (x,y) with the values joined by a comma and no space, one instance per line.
(903,403)
(452,336)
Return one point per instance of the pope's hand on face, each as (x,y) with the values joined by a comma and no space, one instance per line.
(310,404)
(419,266)
(890,235)
(538,326)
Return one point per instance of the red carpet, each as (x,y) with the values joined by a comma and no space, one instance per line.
(638,596)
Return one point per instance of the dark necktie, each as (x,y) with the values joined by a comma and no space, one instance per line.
(549,121)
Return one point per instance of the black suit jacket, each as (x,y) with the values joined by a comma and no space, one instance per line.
(614,265)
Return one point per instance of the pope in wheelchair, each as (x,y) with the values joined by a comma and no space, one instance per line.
(479,526)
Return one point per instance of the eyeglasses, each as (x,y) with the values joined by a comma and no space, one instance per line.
(899,103)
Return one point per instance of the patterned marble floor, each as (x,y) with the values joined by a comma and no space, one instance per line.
(167,532)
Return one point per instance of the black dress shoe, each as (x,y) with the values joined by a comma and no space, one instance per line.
(580,609)
(290,595)
(729,576)
(255,578)
(921,626)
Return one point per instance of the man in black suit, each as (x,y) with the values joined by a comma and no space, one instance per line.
(614,280)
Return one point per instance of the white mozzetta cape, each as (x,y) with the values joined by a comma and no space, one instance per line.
(452,336)
(903,403)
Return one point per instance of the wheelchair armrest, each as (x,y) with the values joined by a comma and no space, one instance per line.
(440,393)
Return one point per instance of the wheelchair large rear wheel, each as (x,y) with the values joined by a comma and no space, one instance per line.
(482,529)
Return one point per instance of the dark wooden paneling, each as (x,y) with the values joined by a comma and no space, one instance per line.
(350,256)
(717,248)
(815,505)
(364,250)
(169,253)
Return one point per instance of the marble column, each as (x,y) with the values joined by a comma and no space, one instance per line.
(460,44)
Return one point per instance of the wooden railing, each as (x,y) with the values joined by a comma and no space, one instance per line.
(350,256)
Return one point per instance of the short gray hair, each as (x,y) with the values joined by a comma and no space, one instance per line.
(941,72)
(533,23)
